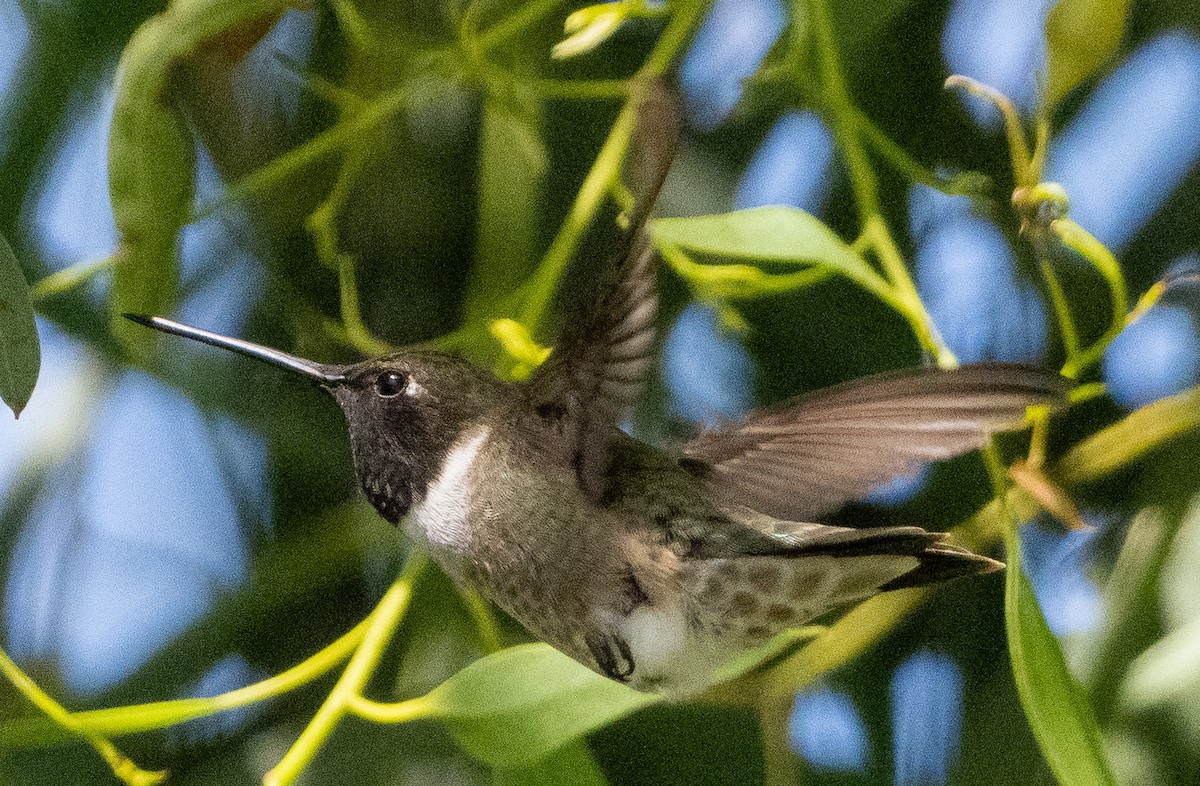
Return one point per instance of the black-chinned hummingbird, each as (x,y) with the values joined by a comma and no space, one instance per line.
(651,567)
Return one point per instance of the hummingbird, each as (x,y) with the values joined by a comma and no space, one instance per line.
(653,567)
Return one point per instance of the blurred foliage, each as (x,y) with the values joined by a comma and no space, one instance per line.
(419,172)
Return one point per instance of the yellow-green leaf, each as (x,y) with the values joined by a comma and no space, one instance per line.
(20,355)
(151,155)
(769,234)
(1080,36)
(1131,438)
(514,708)
(589,27)
(1057,708)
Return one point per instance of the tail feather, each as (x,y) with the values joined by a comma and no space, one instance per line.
(943,562)
(938,560)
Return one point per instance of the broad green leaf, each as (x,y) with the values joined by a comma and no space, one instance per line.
(1080,36)
(20,355)
(571,765)
(515,707)
(768,234)
(151,158)
(1131,438)
(1057,708)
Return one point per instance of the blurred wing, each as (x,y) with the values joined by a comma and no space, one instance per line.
(591,380)
(809,456)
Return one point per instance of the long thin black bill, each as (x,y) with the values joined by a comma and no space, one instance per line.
(315,371)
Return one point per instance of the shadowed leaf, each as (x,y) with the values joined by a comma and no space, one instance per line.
(20,355)
(1057,708)
(1080,36)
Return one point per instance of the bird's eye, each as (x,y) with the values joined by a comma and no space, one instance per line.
(390,384)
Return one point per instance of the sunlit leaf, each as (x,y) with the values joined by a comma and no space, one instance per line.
(1080,36)
(515,707)
(571,765)
(20,355)
(1131,438)
(1057,708)
(589,27)
(151,158)
(767,234)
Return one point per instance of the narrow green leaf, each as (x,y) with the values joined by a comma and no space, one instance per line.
(1080,36)
(151,158)
(1057,708)
(571,765)
(514,708)
(1130,439)
(770,234)
(20,355)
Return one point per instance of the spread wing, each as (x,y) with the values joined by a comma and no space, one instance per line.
(808,456)
(591,380)
(595,373)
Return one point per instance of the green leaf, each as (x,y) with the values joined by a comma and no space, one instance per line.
(1080,36)
(515,707)
(571,765)
(589,27)
(1130,439)
(1166,676)
(20,355)
(770,234)
(151,158)
(1057,708)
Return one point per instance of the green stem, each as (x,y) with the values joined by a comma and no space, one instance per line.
(485,620)
(514,25)
(392,712)
(605,171)
(844,120)
(904,295)
(842,114)
(1082,242)
(1062,311)
(137,718)
(356,331)
(122,766)
(969,184)
(606,168)
(69,277)
(345,133)
(1024,173)
(381,626)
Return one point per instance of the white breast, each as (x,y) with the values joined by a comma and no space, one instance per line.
(441,515)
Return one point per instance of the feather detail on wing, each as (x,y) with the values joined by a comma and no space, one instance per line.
(806,457)
(591,380)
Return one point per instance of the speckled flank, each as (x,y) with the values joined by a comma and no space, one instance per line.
(747,600)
